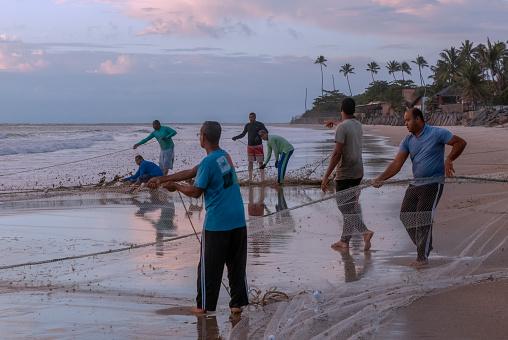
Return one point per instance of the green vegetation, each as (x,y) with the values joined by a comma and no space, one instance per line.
(479,73)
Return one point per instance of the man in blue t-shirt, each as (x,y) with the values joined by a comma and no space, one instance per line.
(425,145)
(224,237)
(145,172)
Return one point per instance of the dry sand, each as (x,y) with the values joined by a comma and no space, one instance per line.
(469,312)
(486,151)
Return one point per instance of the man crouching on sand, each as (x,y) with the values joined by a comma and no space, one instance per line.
(224,237)
(426,145)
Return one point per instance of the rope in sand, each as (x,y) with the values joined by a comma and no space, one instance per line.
(105,252)
(195,233)
(271,295)
(149,244)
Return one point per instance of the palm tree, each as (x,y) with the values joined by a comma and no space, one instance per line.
(405,68)
(393,66)
(493,59)
(480,55)
(471,82)
(447,67)
(467,51)
(321,60)
(421,63)
(373,68)
(347,69)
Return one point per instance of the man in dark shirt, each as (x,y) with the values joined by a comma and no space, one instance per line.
(255,144)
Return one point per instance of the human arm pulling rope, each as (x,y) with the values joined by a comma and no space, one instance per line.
(458,145)
(143,141)
(240,136)
(186,189)
(268,155)
(176,177)
(334,160)
(392,169)
(170,133)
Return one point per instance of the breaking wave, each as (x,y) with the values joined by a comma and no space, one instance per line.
(32,145)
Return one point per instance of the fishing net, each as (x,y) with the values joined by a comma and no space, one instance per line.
(88,251)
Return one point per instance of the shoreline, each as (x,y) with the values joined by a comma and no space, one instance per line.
(469,311)
(481,157)
(463,211)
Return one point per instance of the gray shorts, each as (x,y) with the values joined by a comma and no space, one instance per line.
(166,159)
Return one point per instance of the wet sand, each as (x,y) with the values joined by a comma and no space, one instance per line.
(469,312)
(141,293)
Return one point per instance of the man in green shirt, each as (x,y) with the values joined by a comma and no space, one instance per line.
(164,135)
(281,148)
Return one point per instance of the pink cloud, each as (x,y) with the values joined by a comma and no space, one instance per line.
(419,8)
(428,23)
(7,37)
(16,57)
(376,17)
(121,65)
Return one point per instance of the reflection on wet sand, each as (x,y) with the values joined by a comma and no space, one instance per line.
(353,271)
(256,208)
(164,225)
(207,328)
(272,229)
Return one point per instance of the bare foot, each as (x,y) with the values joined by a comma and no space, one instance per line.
(236,310)
(235,317)
(419,263)
(367,236)
(197,311)
(340,245)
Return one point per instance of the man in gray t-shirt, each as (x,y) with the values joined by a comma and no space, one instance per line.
(347,158)
(349,133)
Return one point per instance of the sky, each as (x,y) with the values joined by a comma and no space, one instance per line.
(122,61)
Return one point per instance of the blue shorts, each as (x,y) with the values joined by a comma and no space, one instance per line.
(166,159)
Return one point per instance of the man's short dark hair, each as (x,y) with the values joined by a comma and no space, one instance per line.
(348,106)
(212,131)
(156,122)
(252,114)
(138,157)
(417,113)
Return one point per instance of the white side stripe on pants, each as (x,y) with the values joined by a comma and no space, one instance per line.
(434,205)
(203,285)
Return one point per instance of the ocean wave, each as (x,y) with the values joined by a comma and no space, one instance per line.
(11,135)
(31,146)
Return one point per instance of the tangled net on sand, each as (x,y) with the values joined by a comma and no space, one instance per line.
(257,297)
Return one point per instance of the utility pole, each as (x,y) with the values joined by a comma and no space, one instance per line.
(305,99)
